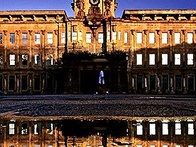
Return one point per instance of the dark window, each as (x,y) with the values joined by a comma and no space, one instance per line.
(24,82)
(165,82)
(152,82)
(191,80)
(37,82)
(11,82)
(178,82)
(139,82)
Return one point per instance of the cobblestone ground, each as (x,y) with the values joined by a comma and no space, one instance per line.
(119,106)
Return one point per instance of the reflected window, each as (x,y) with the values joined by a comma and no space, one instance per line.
(165,128)
(138,59)
(100,37)
(12,58)
(50,38)
(151,59)
(88,37)
(37,38)
(139,38)
(164,38)
(177,59)
(177,128)
(189,37)
(164,59)
(177,38)
(151,38)
(189,59)
(11,128)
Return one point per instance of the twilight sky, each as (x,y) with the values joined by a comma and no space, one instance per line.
(123,4)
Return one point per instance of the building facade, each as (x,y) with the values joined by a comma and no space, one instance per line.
(159,47)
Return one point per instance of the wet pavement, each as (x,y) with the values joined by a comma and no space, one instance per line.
(123,106)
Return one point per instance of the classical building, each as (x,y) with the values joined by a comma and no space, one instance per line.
(157,48)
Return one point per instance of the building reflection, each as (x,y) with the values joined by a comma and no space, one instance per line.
(98,133)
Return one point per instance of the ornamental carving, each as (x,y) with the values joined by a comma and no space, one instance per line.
(80,6)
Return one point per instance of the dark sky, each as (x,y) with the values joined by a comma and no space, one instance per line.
(123,4)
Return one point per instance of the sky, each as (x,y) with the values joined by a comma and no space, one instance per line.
(122,5)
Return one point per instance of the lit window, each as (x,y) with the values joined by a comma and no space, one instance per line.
(24,129)
(12,59)
(177,128)
(164,38)
(139,38)
(125,37)
(152,128)
(69,36)
(80,36)
(50,38)
(139,146)
(177,38)
(165,128)
(63,37)
(37,60)
(24,38)
(164,59)
(1,38)
(114,36)
(139,129)
(12,38)
(165,146)
(36,129)
(74,36)
(189,59)
(139,59)
(119,35)
(151,59)
(11,129)
(24,59)
(178,146)
(189,38)
(190,128)
(88,37)
(100,37)
(152,146)
(151,38)
(50,128)
(177,59)
(50,60)
(37,38)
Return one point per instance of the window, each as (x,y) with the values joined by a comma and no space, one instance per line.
(50,60)
(177,128)
(24,82)
(125,37)
(24,38)
(50,38)
(100,37)
(1,59)
(177,38)
(190,127)
(63,37)
(24,129)
(37,38)
(37,128)
(152,128)
(37,59)
(88,37)
(139,38)
(164,38)
(119,35)
(11,128)
(139,129)
(12,38)
(139,59)
(69,36)
(189,38)
(37,81)
(151,59)
(12,83)
(50,128)
(114,35)
(165,128)
(74,36)
(151,38)
(12,59)
(1,38)
(177,59)
(189,59)
(164,59)
(24,59)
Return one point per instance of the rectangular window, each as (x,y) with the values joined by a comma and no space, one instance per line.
(165,128)
(189,59)
(74,36)
(1,38)
(139,38)
(119,35)
(50,60)
(62,37)
(164,38)
(177,59)
(125,37)
(151,38)
(177,128)
(189,38)
(37,81)
(164,59)
(151,59)
(11,82)
(50,128)
(24,83)
(12,38)
(139,59)
(88,37)
(12,59)
(37,60)
(190,128)
(139,129)
(108,35)
(69,36)
(152,128)
(37,128)
(24,129)
(50,38)
(100,37)
(24,38)
(80,36)
(11,128)
(37,38)
(114,35)
(24,59)
(177,38)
